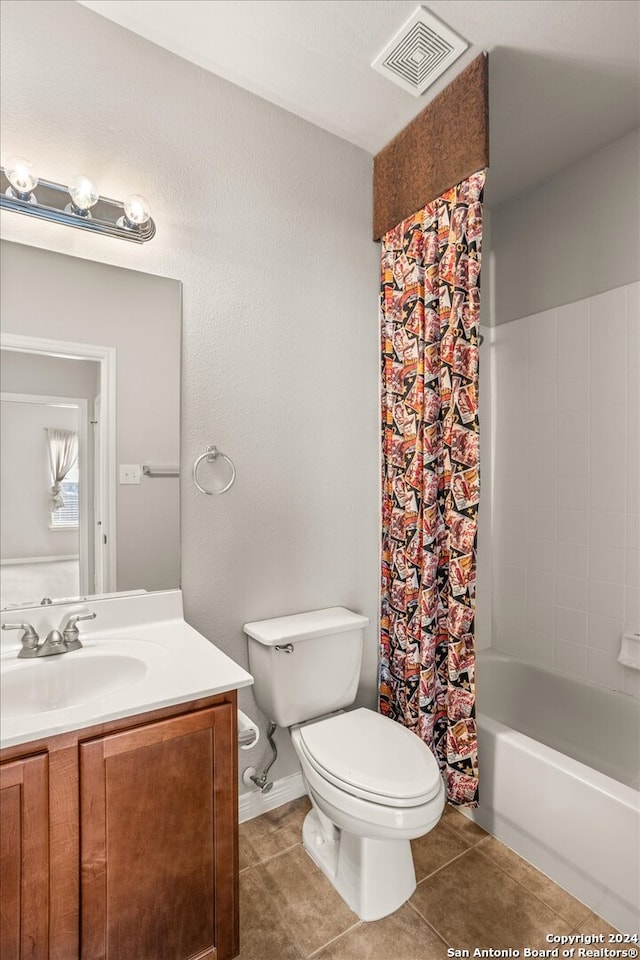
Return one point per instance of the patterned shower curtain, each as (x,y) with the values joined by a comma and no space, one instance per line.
(430,303)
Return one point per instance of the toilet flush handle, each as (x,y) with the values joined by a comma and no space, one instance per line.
(286,648)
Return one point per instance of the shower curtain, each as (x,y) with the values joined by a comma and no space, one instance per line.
(430,302)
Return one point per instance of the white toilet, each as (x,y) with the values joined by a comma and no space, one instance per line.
(373,785)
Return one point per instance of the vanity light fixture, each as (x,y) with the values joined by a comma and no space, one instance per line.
(78,204)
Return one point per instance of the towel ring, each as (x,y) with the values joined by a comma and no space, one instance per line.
(210,455)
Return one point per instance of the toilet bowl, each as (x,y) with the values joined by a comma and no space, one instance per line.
(374,785)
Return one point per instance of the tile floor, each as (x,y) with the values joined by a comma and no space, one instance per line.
(472,892)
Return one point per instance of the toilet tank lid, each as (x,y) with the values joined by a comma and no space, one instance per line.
(302,626)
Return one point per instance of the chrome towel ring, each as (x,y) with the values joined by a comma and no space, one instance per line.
(211,454)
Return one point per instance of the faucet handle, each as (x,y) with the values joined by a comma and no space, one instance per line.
(70,632)
(29,638)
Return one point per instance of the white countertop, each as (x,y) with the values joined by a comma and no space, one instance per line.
(175,663)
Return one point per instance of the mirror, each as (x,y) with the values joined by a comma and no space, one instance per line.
(91,391)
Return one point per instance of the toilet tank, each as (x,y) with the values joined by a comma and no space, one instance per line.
(306,665)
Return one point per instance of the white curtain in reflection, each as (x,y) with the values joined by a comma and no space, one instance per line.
(63,453)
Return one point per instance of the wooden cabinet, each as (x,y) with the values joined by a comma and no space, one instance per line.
(24,859)
(142,839)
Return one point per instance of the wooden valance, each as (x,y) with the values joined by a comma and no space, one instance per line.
(444,144)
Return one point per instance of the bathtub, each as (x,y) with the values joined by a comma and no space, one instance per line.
(559,780)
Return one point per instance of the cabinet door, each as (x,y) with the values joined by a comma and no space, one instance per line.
(24,859)
(158,824)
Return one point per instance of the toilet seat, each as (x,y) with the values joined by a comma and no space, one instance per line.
(370,756)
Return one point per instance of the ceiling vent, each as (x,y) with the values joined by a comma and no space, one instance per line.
(420,52)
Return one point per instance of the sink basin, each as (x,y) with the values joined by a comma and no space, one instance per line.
(67,680)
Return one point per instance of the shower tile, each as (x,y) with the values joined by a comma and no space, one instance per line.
(313,911)
(606,492)
(604,633)
(540,585)
(573,338)
(606,599)
(573,460)
(573,427)
(606,563)
(603,669)
(541,429)
(542,397)
(632,609)
(542,524)
(542,490)
(472,903)
(632,683)
(571,625)
(510,579)
(608,423)
(573,526)
(570,658)
(541,347)
(633,531)
(607,459)
(538,648)
(573,493)
(572,560)
(402,936)
(632,577)
(540,617)
(608,529)
(573,393)
(571,592)
(511,523)
(263,934)
(537,883)
(274,831)
(541,555)
(509,551)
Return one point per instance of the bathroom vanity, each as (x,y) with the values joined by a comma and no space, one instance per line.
(119,813)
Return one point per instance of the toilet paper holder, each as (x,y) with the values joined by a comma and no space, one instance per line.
(248,733)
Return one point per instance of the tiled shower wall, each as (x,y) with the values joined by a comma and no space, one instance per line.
(566,486)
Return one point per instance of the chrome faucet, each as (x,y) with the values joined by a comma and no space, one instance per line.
(55,642)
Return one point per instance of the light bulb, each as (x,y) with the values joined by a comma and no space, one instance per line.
(137,210)
(83,193)
(20,174)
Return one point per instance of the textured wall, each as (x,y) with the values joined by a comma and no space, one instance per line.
(575,235)
(266,219)
(566,476)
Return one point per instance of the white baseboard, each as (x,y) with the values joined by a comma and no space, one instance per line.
(254,803)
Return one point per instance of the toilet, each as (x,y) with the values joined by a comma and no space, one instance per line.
(374,785)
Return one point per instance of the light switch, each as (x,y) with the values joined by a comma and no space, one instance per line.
(130,473)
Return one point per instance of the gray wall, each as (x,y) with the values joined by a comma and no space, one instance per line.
(266,219)
(574,236)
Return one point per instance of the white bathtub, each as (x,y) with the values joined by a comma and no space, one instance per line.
(559,780)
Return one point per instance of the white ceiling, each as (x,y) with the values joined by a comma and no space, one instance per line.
(564,74)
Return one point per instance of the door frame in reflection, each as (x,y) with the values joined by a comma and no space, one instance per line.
(106,448)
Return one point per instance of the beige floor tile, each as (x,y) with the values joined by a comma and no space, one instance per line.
(541,886)
(473,903)
(402,936)
(273,832)
(464,827)
(263,935)
(436,848)
(242,860)
(312,910)
(595,924)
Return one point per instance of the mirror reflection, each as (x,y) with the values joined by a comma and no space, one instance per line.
(90,428)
